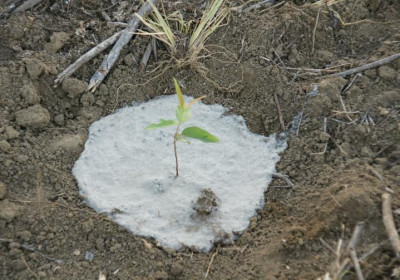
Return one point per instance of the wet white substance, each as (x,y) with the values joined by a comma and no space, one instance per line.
(131,169)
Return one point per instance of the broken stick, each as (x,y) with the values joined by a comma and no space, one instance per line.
(125,37)
(352,248)
(365,67)
(278,107)
(389,223)
(85,58)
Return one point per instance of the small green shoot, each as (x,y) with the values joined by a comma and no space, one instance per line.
(183,113)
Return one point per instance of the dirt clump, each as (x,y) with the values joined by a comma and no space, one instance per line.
(206,203)
(34,117)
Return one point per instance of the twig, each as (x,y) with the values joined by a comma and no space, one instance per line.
(351,247)
(278,107)
(27,267)
(389,223)
(351,83)
(210,263)
(28,248)
(365,67)
(9,8)
(85,58)
(146,56)
(125,37)
(327,245)
(356,263)
(26,5)
(117,23)
(154,48)
(257,5)
(315,29)
(284,178)
(317,71)
(344,107)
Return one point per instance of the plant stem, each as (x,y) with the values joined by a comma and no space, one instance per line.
(176,154)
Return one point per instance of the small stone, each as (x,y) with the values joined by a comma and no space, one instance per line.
(42,274)
(22,158)
(103,90)
(76,252)
(387,73)
(222,237)
(30,95)
(100,103)
(18,265)
(87,99)
(11,133)
(3,190)
(100,244)
(25,235)
(161,275)
(89,256)
(365,152)
(360,131)
(57,42)
(383,111)
(59,119)
(206,203)
(5,146)
(85,264)
(371,73)
(332,87)
(8,210)
(116,247)
(68,143)
(15,253)
(34,117)
(253,222)
(88,226)
(128,59)
(74,87)
(176,270)
(34,67)
(324,136)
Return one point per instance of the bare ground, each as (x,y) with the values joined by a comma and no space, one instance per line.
(338,175)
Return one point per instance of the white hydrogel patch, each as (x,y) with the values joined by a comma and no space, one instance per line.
(131,169)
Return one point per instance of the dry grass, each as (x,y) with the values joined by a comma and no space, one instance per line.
(182,53)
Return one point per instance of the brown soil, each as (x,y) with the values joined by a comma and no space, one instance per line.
(43,130)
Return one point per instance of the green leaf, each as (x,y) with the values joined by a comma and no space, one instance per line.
(161,123)
(179,94)
(199,134)
(183,115)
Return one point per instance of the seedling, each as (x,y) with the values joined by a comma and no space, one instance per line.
(183,114)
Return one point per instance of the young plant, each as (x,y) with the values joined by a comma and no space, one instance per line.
(183,114)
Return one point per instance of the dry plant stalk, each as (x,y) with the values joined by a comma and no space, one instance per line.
(365,66)
(124,39)
(389,223)
(162,31)
(345,257)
